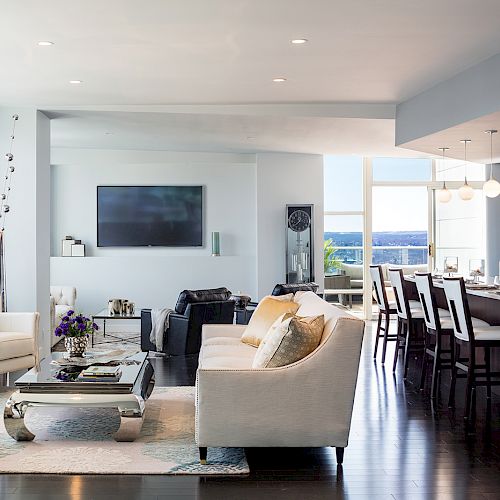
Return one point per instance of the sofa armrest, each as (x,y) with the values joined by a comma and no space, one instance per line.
(175,335)
(22,323)
(19,322)
(220,330)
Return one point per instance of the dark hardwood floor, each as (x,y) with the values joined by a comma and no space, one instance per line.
(400,448)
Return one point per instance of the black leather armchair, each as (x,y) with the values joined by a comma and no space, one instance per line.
(284,288)
(194,308)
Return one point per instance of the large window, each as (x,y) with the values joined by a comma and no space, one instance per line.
(400,225)
(383,211)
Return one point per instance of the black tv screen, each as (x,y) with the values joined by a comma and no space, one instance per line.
(149,216)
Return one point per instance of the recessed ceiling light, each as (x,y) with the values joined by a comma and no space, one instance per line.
(75,82)
(279,80)
(45,43)
(108,133)
(250,138)
(299,41)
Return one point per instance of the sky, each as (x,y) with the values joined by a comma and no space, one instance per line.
(394,208)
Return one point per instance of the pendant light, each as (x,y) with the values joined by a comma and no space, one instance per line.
(491,187)
(444,194)
(465,192)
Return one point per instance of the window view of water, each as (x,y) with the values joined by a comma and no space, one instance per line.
(392,247)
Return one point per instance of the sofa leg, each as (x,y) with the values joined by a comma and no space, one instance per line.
(340,455)
(203,455)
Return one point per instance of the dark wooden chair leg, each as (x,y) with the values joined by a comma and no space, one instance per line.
(409,335)
(340,455)
(425,360)
(488,371)
(377,336)
(386,333)
(436,369)
(396,349)
(203,455)
(470,385)
(456,354)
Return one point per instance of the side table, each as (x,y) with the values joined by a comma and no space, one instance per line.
(105,316)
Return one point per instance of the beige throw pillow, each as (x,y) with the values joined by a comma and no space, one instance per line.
(265,314)
(289,339)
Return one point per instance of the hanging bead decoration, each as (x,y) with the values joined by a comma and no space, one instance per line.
(9,170)
(4,209)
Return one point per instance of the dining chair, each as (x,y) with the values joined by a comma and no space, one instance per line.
(385,310)
(410,318)
(469,335)
(438,325)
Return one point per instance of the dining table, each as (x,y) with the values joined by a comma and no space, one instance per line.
(484,300)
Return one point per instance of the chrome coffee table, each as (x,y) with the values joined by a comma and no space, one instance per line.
(41,387)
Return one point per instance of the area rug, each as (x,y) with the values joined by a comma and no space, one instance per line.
(80,441)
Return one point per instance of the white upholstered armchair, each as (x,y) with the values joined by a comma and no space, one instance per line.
(18,341)
(62,300)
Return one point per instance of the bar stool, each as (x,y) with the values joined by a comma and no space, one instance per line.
(469,336)
(385,309)
(410,318)
(438,325)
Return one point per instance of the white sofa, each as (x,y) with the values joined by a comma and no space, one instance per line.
(18,341)
(62,300)
(305,404)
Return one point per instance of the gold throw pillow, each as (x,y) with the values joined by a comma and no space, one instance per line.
(289,339)
(266,313)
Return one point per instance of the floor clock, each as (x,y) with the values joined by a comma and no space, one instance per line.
(299,243)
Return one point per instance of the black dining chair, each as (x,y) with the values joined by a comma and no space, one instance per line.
(469,337)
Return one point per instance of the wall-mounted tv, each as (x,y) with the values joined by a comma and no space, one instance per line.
(131,216)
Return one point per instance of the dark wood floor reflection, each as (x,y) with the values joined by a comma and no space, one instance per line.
(400,448)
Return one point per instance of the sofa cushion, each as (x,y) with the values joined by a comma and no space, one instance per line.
(285,288)
(209,295)
(312,305)
(226,356)
(222,341)
(290,339)
(355,271)
(266,313)
(15,345)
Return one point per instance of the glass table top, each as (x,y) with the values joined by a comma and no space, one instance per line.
(104,314)
(54,377)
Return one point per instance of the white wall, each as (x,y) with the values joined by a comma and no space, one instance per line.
(153,277)
(27,226)
(285,179)
(246,197)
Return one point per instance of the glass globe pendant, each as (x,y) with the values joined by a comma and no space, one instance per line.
(444,194)
(465,192)
(491,187)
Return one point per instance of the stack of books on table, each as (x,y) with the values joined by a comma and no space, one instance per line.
(100,374)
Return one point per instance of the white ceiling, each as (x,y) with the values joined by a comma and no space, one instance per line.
(228,51)
(478,150)
(215,132)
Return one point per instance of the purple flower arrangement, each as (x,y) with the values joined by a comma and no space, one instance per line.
(75,325)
